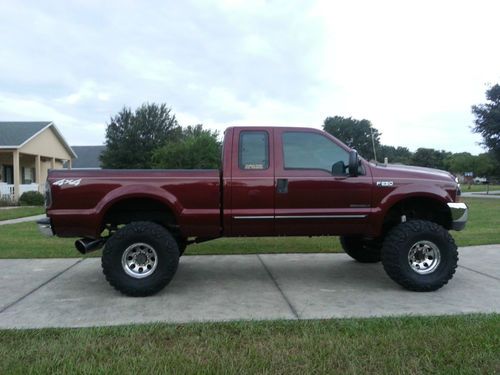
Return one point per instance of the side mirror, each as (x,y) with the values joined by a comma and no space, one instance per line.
(338,169)
(353,163)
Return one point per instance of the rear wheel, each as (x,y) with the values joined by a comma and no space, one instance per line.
(140,259)
(364,251)
(420,255)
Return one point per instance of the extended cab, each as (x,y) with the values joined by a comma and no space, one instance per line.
(274,181)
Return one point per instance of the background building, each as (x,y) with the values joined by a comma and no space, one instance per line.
(88,156)
(27,151)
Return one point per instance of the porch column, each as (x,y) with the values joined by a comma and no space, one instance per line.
(38,171)
(16,172)
(69,163)
(53,163)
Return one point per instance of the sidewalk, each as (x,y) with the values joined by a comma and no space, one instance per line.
(22,219)
(74,293)
(494,194)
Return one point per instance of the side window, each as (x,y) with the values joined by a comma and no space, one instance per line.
(302,150)
(253,150)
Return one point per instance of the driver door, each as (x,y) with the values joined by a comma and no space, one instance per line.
(309,199)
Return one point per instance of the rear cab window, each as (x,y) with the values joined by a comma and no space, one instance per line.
(253,150)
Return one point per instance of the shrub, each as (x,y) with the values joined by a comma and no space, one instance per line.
(31,198)
(7,202)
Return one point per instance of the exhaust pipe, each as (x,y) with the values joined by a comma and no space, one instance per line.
(86,245)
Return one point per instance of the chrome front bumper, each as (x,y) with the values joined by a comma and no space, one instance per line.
(459,215)
(45,227)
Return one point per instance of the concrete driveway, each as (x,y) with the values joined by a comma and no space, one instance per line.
(74,293)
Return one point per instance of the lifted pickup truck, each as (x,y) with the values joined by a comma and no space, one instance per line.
(274,181)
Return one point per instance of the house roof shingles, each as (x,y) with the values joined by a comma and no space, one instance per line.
(16,133)
(88,156)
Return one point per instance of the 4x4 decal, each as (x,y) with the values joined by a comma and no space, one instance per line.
(66,181)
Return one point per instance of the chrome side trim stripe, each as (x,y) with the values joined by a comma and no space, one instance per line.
(322,217)
(253,217)
(285,217)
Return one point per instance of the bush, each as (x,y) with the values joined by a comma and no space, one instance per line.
(7,202)
(31,198)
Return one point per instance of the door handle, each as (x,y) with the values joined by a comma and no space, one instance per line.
(282,185)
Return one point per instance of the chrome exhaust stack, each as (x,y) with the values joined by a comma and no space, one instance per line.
(87,245)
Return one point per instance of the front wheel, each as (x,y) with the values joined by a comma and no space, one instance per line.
(140,259)
(420,255)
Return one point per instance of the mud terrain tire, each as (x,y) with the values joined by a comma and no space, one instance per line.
(140,259)
(420,255)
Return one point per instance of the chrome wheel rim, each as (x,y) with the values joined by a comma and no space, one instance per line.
(424,257)
(139,260)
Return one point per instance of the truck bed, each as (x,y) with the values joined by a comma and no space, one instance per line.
(82,198)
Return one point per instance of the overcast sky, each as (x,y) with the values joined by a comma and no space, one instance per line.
(412,70)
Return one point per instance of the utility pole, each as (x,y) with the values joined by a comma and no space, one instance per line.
(373,144)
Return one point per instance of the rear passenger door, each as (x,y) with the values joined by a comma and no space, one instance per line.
(252,182)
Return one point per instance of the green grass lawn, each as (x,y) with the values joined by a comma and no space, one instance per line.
(16,212)
(24,241)
(467,344)
(483,225)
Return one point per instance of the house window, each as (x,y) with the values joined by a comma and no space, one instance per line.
(27,175)
(8,174)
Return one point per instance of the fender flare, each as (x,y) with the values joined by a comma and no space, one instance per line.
(403,193)
(139,191)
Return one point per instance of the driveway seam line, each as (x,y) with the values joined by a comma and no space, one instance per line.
(479,272)
(294,312)
(40,286)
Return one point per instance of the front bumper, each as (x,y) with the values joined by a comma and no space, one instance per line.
(459,215)
(45,226)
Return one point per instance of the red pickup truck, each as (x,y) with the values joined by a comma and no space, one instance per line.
(274,181)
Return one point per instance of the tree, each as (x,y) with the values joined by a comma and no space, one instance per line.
(354,133)
(487,122)
(487,166)
(401,155)
(132,137)
(431,158)
(196,148)
(462,162)
(482,165)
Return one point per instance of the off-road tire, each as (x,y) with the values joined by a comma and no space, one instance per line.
(396,250)
(364,251)
(148,233)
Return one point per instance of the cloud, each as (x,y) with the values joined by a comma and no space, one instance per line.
(89,91)
(77,131)
(414,70)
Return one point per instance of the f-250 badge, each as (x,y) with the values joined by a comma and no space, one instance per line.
(385,183)
(66,181)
